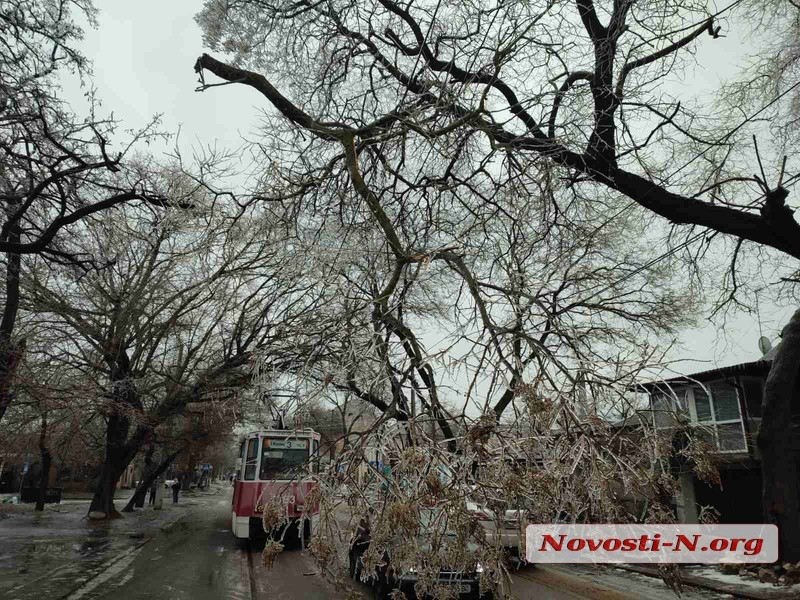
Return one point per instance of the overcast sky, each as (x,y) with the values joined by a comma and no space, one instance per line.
(143,53)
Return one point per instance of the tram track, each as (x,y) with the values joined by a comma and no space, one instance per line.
(251,569)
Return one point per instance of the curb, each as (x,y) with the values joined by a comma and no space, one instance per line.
(715,586)
(201,494)
(167,528)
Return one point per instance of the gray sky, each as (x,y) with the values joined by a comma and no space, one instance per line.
(143,53)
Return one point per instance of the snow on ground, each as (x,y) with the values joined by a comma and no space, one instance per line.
(712,573)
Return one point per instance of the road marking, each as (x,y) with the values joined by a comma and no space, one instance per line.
(48,575)
(120,564)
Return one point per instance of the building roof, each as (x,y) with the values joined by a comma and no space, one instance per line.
(756,367)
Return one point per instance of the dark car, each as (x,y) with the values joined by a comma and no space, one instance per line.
(385,579)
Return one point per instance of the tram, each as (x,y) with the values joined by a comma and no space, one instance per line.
(276,463)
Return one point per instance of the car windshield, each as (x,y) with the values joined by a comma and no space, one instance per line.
(283,459)
(436,520)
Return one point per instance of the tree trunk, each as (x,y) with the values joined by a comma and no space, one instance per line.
(780,489)
(45,454)
(119,451)
(9,358)
(140,494)
(46,459)
(187,479)
(102,506)
(10,352)
(149,478)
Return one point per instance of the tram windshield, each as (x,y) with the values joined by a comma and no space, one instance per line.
(283,458)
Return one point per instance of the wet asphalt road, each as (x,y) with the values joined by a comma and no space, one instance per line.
(48,555)
(199,559)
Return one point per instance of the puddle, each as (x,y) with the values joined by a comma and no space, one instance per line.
(49,548)
(45,552)
(91,547)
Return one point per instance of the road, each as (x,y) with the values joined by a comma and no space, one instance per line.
(200,560)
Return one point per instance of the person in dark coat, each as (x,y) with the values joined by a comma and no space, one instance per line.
(153,487)
(176,487)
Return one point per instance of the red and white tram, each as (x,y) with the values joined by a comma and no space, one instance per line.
(276,463)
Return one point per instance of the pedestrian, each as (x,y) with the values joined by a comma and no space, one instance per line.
(153,493)
(176,487)
(231,478)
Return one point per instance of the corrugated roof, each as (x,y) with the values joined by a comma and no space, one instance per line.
(756,367)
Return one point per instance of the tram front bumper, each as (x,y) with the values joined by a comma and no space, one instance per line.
(240,526)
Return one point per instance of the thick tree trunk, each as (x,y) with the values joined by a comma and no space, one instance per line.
(118,451)
(102,506)
(117,458)
(149,478)
(10,352)
(9,358)
(780,489)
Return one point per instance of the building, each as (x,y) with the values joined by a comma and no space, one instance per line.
(724,405)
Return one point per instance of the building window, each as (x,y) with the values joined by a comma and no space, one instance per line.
(719,414)
(666,406)
(726,402)
(702,405)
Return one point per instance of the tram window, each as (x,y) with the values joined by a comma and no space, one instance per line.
(241,461)
(283,459)
(252,459)
(315,458)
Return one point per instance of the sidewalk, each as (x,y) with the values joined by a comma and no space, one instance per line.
(212,489)
(49,554)
(706,577)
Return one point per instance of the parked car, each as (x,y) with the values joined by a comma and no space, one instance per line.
(507,532)
(168,483)
(386,579)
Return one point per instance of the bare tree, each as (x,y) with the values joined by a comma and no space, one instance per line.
(173,319)
(57,168)
(50,417)
(490,97)
(548,320)
(199,434)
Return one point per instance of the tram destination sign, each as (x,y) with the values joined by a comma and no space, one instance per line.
(285,444)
